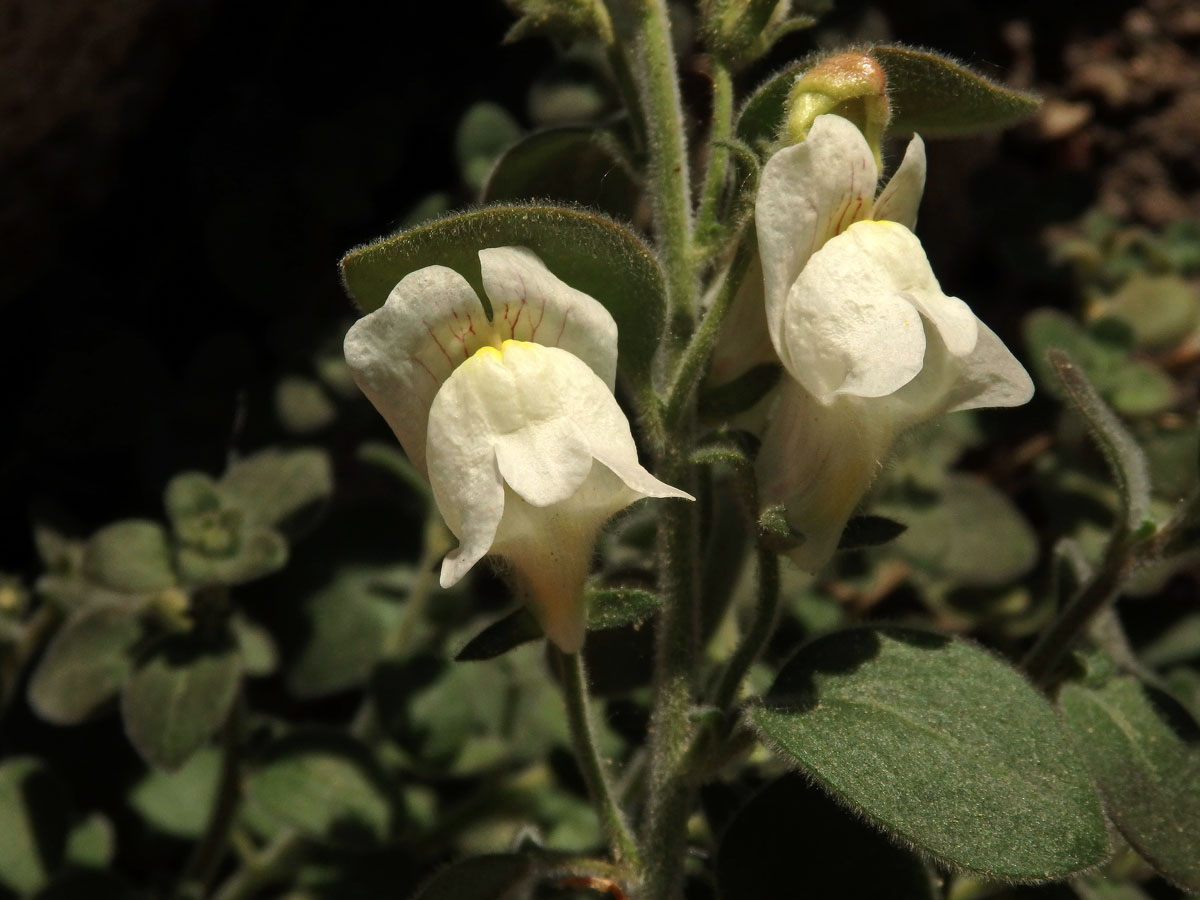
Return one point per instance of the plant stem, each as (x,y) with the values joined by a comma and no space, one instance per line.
(669,802)
(766,615)
(280,857)
(208,853)
(643,29)
(587,754)
(718,155)
(1073,620)
(691,365)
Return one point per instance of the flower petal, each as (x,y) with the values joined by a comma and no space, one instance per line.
(901,197)
(849,327)
(808,193)
(990,376)
(818,460)
(402,353)
(530,303)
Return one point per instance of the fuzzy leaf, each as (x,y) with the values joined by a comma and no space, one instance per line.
(938,97)
(1124,456)
(133,556)
(720,403)
(870,531)
(179,803)
(324,784)
(762,115)
(574,164)
(478,878)
(790,828)
(86,663)
(943,746)
(588,251)
(282,489)
(1145,756)
(607,608)
(483,133)
(33,824)
(91,843)
(179,695)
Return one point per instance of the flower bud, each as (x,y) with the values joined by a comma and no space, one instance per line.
(851,85)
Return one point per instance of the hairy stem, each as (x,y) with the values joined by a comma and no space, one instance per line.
(766,615)
(587,754)
(670,795)
(643,29)
(718,154)
(691,364)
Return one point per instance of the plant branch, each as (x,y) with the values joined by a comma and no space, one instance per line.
(718,154)
(643,29)
(690,369)
(587,754)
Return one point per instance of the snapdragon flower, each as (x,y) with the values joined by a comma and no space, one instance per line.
(512,419)
(871,343)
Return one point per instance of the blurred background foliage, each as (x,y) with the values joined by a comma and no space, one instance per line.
(211,540)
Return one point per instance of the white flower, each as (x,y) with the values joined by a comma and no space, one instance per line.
(861,325)
(512,419)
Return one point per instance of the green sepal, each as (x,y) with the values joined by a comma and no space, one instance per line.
(936,96)
(762,114)
(587,250)
(1143,750)
(943,746)
(607,608)
(869,531)
(566,165)
(179,695)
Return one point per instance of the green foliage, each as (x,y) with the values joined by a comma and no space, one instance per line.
(571,165)
(740,31)
(132,557)
(91,843)
(85,664)
(922,734)
(478,878)
(719,404)
(179,695)
(179,802)
(560,19)
(1144,753)
(937,97)
(483,133)
(33,822)
(586,250)
(323,784)
(791,834)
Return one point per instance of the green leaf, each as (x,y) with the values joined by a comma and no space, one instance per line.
(302,405)
(1125,458)
(1144,753)
(762,115)
(91,843)
(489,877)
(607,608)
(574,164)
(86,664)
(179,803)
(33,824)
(324,784)
(588,251)
(967,532)
(1160,309)
(484,131)
(179,695)
(943,746)
(790,833)
(938,97)
(283,489)
(720,403)
(345,635)
(133,556)
(248,556)
(870,531)
(259,654)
